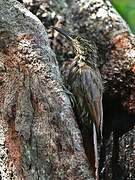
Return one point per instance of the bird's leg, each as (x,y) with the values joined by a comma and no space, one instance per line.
(70,95)
(115,156)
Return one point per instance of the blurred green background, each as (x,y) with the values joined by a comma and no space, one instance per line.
(127,10)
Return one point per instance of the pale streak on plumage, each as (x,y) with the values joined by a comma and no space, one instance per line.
(85,82)
(87,88)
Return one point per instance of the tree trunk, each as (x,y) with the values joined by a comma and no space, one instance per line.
(98,20)
(39,137)
(94,19)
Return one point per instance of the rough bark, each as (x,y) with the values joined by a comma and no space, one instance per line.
(97,19)
(39,138)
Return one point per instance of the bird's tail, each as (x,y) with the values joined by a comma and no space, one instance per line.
(95,150)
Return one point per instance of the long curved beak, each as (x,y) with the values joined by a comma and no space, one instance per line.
(61,31)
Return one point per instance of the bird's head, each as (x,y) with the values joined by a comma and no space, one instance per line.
(83,48)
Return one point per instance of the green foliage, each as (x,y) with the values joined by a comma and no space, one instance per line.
(127,10)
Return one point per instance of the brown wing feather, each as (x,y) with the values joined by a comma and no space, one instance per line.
(92,87)
(86,85)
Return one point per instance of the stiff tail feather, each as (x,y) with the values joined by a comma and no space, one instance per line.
(95,150)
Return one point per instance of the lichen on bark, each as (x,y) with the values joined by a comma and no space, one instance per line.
(39,129)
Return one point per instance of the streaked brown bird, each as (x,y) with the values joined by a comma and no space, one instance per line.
(85,83)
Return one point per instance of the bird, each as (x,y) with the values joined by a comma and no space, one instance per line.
(85,83)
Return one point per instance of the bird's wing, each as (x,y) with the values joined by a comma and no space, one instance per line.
(92,90)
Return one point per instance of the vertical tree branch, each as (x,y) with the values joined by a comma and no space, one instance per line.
(39,136)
